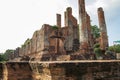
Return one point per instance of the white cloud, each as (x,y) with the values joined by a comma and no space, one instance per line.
(108,6)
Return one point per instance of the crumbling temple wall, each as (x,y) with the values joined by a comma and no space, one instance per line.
(47,32)
(29,47)
(62,70)
(53,41)
(20,52)
(40,42)
(34,42)
(16,52)
(71,23)
(43,38)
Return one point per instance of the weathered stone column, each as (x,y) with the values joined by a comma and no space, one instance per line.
(59,26)
(90,41)
(67,15)
(83,33)
(58,20)
(103,29)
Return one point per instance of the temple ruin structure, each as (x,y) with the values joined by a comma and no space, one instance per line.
(73,41)
(57,52)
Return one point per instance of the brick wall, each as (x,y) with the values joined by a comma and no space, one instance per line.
(74,70)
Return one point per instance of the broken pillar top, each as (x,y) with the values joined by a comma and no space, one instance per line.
(58,16)
(100,9)
(45,26)
(69,10)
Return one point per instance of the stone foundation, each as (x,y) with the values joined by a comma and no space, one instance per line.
(61,70)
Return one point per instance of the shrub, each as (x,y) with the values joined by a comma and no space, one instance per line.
(97,45)
(54,27)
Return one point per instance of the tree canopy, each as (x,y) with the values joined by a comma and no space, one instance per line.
(115,48)
(95,31)
(2,57)
(5,56)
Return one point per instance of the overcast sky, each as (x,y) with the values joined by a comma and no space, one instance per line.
(20,18)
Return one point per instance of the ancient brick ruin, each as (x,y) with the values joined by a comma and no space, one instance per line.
(68,42)
(62,52)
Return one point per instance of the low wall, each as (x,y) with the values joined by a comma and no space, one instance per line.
(61,70)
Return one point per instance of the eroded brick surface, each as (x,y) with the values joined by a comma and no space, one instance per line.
(61,70)
(103,29)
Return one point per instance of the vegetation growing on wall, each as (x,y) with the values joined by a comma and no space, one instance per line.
(97,50)
(26,42)
(54,27)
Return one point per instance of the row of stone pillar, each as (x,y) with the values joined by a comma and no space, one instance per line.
(85,36)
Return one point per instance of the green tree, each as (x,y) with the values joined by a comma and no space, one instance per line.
(2,57)
(7,53)
(115,48)
(95,31)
